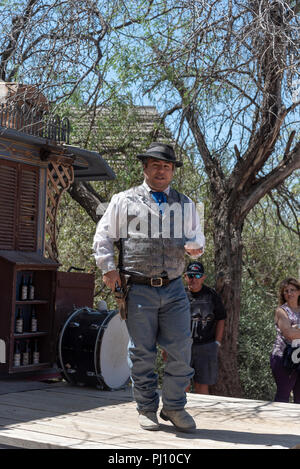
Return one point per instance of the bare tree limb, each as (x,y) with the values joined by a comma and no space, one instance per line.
(264,185)
(87,197)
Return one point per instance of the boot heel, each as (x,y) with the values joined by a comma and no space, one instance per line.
(163,416)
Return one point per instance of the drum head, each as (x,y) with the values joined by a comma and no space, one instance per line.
(113,359)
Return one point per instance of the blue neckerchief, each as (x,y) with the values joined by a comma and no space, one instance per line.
(160,198)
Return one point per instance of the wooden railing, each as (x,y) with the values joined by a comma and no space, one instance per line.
(34,122)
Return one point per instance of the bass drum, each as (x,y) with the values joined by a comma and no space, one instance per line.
(92,349)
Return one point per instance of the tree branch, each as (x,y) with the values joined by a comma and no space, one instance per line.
(18,25)
(87,197)
(261,187)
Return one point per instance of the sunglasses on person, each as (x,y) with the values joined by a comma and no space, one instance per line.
(194,275)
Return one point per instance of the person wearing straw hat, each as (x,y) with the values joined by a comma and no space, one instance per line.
(155,226)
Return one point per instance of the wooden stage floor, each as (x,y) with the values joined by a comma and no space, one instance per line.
(37,415)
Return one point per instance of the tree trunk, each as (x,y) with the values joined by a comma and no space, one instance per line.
(228,269)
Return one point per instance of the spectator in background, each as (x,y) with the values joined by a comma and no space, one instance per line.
(207,323)
(287,324)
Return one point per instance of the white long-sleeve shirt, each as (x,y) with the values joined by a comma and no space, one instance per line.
(113,226)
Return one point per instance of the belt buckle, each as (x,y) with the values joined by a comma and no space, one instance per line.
(155,279)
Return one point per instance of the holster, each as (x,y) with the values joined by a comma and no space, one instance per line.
(121,295)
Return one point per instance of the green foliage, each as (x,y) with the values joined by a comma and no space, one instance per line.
(75,231)
(256,337)
(271,253)
(75,236)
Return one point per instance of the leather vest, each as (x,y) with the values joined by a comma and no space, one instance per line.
(154,243)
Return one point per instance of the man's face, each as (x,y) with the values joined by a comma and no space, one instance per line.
(158,174)
(194,284)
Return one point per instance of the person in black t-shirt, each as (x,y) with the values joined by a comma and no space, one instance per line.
(207,323)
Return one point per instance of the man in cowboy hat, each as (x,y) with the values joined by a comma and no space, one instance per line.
(155,226)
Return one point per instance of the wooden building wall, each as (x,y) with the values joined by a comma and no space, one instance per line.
(22,199)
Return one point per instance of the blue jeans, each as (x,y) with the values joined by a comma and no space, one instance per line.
(159,315)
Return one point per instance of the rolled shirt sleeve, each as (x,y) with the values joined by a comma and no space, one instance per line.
(194,237)
(107,233)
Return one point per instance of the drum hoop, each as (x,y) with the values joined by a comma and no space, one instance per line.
(85,308)
(101,329)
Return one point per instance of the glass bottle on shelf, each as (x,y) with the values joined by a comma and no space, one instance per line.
(26,354)
(31,292)
(33,327)
(19,322)
(36,353)
(23,289)
(17,354)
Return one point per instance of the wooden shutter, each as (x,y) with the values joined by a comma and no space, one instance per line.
(8,204)
(19,189)
(28,208)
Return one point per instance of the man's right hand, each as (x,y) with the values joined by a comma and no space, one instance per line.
(111,278)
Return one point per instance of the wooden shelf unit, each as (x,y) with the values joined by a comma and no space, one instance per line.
(13,266)
(57,294)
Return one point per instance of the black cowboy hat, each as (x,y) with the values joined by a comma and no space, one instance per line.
(161,151)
